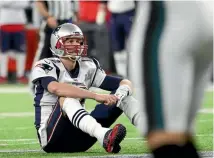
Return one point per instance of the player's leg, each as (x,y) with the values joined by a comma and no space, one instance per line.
(118,42)
(107,115)
(135,112)
(128,18)
(108,138)
(203,60)
(63,136)
(5,48)
(59,134)
(19,45)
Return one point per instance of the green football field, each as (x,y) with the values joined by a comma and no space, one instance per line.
(18,135)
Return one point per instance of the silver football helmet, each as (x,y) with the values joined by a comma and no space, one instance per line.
(63,32)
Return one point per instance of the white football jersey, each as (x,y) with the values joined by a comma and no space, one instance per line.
(88,74)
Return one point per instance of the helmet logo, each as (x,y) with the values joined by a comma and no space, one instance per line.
(56,30)
(76,33)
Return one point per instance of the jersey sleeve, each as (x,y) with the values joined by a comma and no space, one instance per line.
(99,75)
(44,68)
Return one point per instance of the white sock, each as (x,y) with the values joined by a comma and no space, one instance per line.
(12,55)
(3,64)
(120,58)
(82,120)
(20,60)
(135,113)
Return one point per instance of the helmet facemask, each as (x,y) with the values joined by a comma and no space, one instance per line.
(72,51)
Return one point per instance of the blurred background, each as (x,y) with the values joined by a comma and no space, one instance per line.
(105,25)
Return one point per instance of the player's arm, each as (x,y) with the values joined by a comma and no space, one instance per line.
(40,5)
(75,8)
(63,89)
(101,12)
(122,87)
(66,90)
(46,74)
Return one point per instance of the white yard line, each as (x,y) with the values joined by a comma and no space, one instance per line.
(16,114)
(18,140)
(19,144)
(210,88)
(19,151)
(15,90)
(27,114)
(30,140)
(17,128)
(207,111)
(208,120)
(207,154)
(32,127)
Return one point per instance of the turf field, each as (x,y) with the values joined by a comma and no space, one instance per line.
(18,136)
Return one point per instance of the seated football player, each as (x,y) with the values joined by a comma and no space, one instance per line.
(61,85)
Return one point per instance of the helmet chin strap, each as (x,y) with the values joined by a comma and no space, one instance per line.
(72,58)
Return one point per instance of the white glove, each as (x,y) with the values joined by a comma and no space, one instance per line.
(121,92)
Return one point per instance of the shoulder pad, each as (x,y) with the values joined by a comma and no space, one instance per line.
(96,63)
(86,59)
(44,64)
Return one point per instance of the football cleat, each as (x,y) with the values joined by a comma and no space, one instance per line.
(113,138)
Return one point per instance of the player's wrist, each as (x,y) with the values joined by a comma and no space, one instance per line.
(93,96)
(47,17)
(126,88)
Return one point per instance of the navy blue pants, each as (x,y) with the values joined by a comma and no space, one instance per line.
(13,41)
(64,137)
(120,26)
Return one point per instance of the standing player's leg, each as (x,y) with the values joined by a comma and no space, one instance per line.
(118,41)
(5,39)
(127,20)
(19,45)
(203,60)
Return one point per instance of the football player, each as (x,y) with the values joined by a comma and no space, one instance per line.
(61,85)
(171,43)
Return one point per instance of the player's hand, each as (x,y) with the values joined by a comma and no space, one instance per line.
(52,22)
(107,99)
(122,92)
